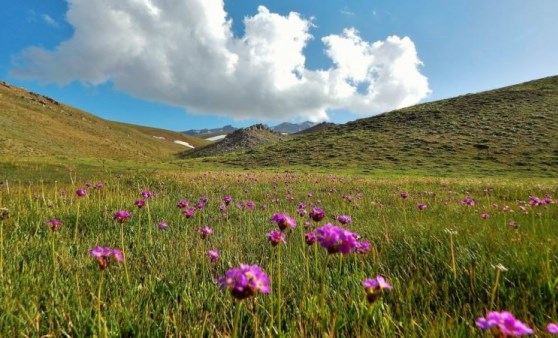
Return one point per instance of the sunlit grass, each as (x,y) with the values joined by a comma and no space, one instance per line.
(444,262)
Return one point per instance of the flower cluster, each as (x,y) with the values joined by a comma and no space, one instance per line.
(317,214)
(336,239)
(245,281)
(275,237)
(54,224)
(503,324)
(374,287)
(104,254)
(283,221)
(121,216)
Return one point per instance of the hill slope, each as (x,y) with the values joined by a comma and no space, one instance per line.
(508,129)
(33,125)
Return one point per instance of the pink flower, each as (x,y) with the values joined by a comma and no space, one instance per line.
(54,224)
(485,215)
(374,287)
(139,203)
(503,323)
(213,255)
(104,254)
(205,231)
(275,237)
(421,206)
(163,225)
(404,194)
(552,328)
(122,216)
(81,192)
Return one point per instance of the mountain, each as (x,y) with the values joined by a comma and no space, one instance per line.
(240,139)
(33,125)
(316,128)
(291,128)
(207,133)
(285,127)
(511,129)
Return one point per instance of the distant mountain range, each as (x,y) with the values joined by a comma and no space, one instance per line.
(285,127)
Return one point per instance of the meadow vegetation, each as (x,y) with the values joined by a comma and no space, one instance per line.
(477,245)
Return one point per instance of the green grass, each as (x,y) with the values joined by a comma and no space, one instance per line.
(50,286)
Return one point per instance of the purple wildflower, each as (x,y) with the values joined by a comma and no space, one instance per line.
(404,194)
(283,221)
(188,213)
(122,216)
(503,324)
(104,254)
(223,208)
(301,205)
(183,204)
(205,231)
(317,214)
(468,201)
(552,328)
(485,215)
(250,205)
(81,192)
(200,205)
(513,224)
(343,219)
(310,238)
(139,203)
(227,199)
(421,206)
(275,237)
(213,255)
(100,185)
(363,247)
(147,194)
(54,224)
(163,225)
(245,281)
(204,199)
(336,239)
(374,287)
(302,212)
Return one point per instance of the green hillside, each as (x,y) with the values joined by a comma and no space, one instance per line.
(33,125)
(512,129)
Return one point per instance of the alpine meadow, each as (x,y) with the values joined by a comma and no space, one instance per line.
(373,208)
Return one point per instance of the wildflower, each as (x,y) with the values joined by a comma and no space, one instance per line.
(104,254)
(250,205)
(336,239)
(188,212)
(245,281)
(121,216)
(534,201)
(223,208)
(204,199)
(213,255)
(503,324)
(205,231)
(343,219)
(301,205)
(374,287)
(139,203)
(227,199)
(404,194)
(421,206)
(81,192)
(317,214)
(200,205)
(302,212)
(310,238)
(468,201)
(100,185)
(283,221)
(163,225)
(513,224)
(363,247)
(183,204)
(275,237)
(485,215)
(54,224)
(552,328)
(147,194)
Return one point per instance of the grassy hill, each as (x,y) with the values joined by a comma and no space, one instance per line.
(33,125)
(512,129)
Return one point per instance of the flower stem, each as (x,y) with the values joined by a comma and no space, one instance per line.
(77,221)
(453,265)
(99,316)
(279,305)
(493,294)
(236,322)
(124,253)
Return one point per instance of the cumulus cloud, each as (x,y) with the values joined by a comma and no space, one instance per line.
(184,53)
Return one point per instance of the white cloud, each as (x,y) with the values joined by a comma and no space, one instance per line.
(183,53)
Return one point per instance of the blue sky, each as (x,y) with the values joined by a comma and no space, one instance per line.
(464,46)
